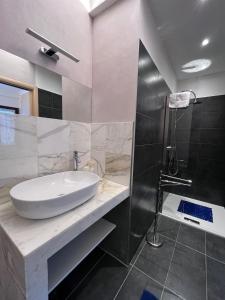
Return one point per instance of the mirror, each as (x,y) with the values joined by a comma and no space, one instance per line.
(31,90)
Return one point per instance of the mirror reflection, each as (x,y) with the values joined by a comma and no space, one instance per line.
(30,90)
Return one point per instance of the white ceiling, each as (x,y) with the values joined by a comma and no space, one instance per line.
(184,24)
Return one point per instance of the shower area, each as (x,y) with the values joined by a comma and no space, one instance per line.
(194,141)
(179,162)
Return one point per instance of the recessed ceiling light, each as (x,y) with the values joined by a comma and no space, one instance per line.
(205,42)
(196,65)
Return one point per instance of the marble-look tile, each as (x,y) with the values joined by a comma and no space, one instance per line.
(5,187)
(98,143)
(25,167)
(118,167)
(53,136)
(53,163)
(119,138)
(118,152)
(98,136)
(80,140)
(80,136)
(111,149)
(17,136)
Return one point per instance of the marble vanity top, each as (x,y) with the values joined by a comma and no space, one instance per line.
(46,237)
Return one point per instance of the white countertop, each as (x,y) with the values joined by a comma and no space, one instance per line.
(46,237)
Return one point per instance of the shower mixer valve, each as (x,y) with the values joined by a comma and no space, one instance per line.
(153,238)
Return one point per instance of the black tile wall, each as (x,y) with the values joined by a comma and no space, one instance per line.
(117,243)
(200,138)
(135,215)
(49,104)
(148,150)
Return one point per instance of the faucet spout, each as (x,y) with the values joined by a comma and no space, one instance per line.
(76,160)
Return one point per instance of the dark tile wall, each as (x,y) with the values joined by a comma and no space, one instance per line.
(148,149)
(200,141)
(117,243)
(49,104)
(134,216)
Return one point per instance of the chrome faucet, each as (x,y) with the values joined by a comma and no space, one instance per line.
(76,160)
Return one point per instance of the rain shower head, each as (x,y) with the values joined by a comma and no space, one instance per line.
(195,97)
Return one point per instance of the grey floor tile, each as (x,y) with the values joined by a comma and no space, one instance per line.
(215,246)
(168,227)
(187,274)
(103,282)
(215,280)
(136,284)
(169,295)
(155,261)
(138,251)
(192,237)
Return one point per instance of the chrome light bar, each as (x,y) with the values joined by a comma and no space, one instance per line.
(51,52)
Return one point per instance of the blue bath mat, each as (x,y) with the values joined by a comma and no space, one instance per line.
(195,210)
(148,296)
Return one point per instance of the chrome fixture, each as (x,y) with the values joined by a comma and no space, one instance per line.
(76,160)
(180,181)
(173,167)
(51,52)
(168,148)
(195,97)
(164,180)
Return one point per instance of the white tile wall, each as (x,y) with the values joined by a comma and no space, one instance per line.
(30,147)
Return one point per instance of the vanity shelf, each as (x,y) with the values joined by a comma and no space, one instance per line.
(65,260)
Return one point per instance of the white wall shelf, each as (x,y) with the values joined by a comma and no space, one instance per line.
(65,260)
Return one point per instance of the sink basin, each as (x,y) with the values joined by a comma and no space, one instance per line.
(52,195)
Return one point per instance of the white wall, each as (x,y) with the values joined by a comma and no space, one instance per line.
(66,23)
(19,99)
(76,101)
(153,44)
(48,80)
(12,101)
(25,102)
(16,68)
(115,62)
(205,86)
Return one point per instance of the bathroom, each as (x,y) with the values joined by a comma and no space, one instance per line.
(112,135)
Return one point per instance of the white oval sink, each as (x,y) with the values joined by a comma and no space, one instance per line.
(52,195)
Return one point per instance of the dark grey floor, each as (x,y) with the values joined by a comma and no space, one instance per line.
(190,265)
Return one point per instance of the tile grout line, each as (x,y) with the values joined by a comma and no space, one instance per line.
(206,280)
(132,266)
(142,247)
(217,260)
(116,258)
(170,262)
(153,279)
(82,280)
(159,283)
(189,247)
